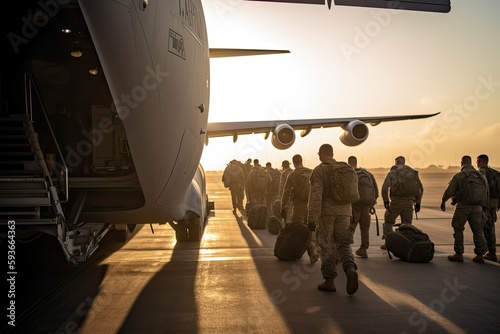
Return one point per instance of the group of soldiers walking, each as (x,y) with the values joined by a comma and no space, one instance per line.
(303,197)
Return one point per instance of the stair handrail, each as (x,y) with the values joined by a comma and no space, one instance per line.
(30,85)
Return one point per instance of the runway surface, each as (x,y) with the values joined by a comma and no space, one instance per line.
(230,282)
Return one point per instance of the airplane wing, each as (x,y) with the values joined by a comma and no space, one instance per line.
(436,6)
(283,131)
(222,53)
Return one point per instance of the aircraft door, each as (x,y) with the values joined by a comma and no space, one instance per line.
(110,152)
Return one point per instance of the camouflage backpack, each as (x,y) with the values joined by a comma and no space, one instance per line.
(366,188)
(472,189)
(493,177)
(275,185)
(343,183)
(260,180)
(300,190)
(235,173)
(406,184)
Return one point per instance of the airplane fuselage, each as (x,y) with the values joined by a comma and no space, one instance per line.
(156,61)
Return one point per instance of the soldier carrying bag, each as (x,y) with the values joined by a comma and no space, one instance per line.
(343,183)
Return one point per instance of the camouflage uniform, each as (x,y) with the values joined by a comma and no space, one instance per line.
(399,206)
(361,214)
(253,195)
(333,232)
(293,193)
(273,187)
(288,208)
(490,217)
(236,185)
(463,213)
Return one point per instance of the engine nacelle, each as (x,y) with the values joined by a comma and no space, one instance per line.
(283,136)
(355,132)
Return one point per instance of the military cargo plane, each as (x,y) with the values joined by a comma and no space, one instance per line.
(104,118)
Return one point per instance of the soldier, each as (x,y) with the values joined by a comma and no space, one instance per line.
(247,167)
(368,192)
(286,170)
(490,216)
(235,178)
(405,189)
(469,202)
(273,187)
(257,183)
(296,190)
(332,220)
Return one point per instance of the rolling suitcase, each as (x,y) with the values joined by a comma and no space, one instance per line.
(257,216)
(292,242)
(410,244)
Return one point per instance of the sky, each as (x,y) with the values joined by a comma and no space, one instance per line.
(351,61)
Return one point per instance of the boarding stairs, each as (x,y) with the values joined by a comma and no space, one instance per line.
(24,187)
(32,191)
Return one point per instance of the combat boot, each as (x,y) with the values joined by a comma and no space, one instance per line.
(314,257)
(352,280)
(327,285)
(490,256)
(457,257)
(362,252)
(478,258)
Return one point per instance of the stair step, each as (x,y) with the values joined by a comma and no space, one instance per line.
(16,154)
(19,173)
(24,201)
(32,221)
(13,138)
(16,192)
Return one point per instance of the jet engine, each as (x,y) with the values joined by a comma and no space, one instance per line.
(283,136)
(355,132)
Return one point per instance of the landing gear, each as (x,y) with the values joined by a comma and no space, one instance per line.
(195,231)
(181,232)
(122,232)
(188,230)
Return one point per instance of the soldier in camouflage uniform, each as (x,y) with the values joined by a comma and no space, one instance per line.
(466,212)
(296,191)
(255,195)
(361,210)
(332,221)
(286,170)
(399,205)
(273,188)
(490,216)
(236,184)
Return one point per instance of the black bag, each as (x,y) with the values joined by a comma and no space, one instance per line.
(292,241)
(274,225)
(410,244)
(257,216)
